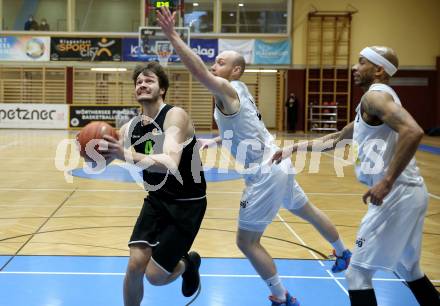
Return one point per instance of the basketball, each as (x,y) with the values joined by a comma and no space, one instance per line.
(94,130)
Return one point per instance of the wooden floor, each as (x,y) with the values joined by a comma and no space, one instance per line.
(45,211)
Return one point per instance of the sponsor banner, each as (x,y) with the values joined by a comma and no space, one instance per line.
(243,46)
(275,53)
(33,116)
(81,115)
(24,48)
(131,52)
(85,49)
(207,49)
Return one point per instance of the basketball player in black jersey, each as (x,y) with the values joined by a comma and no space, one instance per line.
(165,148)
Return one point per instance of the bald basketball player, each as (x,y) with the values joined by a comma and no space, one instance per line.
(267,188)
(385,139)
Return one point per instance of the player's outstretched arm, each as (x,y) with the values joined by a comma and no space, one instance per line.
(205,143)
(218,86)
(321,144)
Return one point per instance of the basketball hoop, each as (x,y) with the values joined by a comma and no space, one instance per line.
(155,46)
(163,49)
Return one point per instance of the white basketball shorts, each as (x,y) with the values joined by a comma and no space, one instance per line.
(266,190)
(391,234)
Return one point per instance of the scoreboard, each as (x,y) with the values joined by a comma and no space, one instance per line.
(171,4)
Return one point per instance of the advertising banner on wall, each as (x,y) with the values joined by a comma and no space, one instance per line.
(131,52)
(207,49)
(85,49)
(24,48)
(275,53)
(81,115)
(243,46)
(33,116)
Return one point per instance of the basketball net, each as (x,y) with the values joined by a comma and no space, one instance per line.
(164,49)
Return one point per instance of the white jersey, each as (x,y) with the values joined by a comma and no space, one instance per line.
(374,148)
(251,143)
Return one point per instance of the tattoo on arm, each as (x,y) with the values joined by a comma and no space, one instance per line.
(370,108)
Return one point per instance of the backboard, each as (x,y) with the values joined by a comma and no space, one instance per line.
(154,46)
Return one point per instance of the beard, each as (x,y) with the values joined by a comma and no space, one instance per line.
(365,80)
(151,99)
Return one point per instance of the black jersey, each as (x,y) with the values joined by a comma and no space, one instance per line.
(189,182)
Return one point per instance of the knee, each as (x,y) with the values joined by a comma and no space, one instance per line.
(350,275)
(136,267)
(245,245)
(359,278)
(410,274)
(156,278)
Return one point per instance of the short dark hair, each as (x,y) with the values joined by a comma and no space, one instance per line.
(240,61)
(155,68)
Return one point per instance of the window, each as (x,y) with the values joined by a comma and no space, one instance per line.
(46,15)
(254,16)
(198,15)
(107,16)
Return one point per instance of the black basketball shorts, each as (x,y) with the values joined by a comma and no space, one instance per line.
(169,227)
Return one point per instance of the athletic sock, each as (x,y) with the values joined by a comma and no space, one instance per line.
(362,297)
(339,247)
(276,287)
(425,292)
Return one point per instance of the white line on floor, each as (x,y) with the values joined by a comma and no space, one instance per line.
(312,253)
(203,275)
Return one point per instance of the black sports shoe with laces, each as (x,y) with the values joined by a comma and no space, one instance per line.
(191,276)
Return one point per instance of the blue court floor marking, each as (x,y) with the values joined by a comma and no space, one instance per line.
(91,281)
(4,259)
(129,173)
(430,149)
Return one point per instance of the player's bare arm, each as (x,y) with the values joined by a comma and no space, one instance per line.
(380,105)
(319,144)
(205,143)
(218,86)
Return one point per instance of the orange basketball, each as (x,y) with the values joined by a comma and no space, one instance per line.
(94,130)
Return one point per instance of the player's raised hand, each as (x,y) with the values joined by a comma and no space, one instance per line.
(166,20)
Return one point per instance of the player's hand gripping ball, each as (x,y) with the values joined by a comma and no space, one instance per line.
(94,130)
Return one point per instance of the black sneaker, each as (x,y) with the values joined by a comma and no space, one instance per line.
(191,276)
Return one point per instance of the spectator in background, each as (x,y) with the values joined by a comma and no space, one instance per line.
(31,24)
(291,107)
(44,26)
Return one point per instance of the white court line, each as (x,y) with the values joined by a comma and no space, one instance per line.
(203,275)
(5,146)
(209,192)
(141,190)
(313,254)
(137,208)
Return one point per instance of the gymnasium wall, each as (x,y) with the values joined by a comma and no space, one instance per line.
(14,7)
(268,98)
(122,16)
(410,27)
(55,13)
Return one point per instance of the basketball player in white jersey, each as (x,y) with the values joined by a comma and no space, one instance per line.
(385,139)
(267,188)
